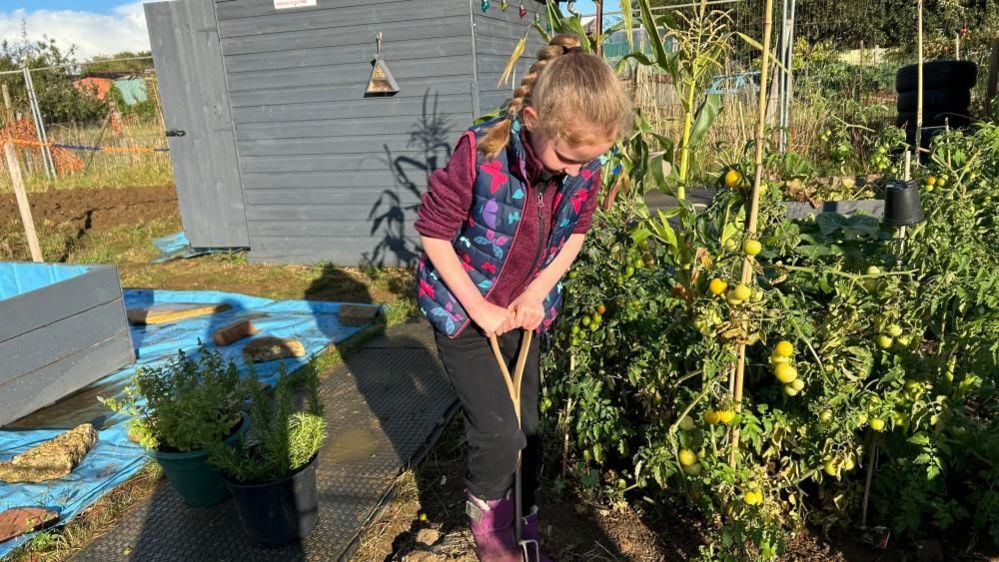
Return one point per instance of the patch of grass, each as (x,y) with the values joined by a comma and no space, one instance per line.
(56,545)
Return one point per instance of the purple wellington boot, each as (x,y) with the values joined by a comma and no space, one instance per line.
(531,532)
(492,527)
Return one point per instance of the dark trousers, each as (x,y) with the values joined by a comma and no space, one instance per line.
(490,422)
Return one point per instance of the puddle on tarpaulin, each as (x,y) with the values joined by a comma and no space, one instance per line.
(73,410)
(354,443)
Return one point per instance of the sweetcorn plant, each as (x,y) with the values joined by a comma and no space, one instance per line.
(183,405)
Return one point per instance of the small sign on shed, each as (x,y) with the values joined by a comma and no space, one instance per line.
(284,4)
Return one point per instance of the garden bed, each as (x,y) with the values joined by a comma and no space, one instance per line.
(64,327)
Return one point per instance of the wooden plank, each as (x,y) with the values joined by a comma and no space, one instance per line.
(232,9)
(339,212)
(316,19)
(39,348)
(447,127)
(324,163)
(406,72)
(39,308)
(361,144)
(359,196)
(407,109)
(297,228)
(168,313)
(443,86)
(422,48)
(342,36)
(21,195)
(188,60)
(262,185)
(33,391)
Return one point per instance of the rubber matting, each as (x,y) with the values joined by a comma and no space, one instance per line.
(384,406)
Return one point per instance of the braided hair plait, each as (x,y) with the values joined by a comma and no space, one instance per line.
(498,136)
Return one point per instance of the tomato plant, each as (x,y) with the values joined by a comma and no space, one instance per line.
(862,353)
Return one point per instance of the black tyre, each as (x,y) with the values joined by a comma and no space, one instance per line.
(942,74)
(932,118)
(954,100)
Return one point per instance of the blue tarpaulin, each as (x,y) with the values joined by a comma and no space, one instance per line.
(115,459)
(19,278)
(177,246)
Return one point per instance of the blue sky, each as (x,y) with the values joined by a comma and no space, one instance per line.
(99,6)
(95,27)
(587,7)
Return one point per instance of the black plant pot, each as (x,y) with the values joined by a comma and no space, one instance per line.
(902,207)
(278,512)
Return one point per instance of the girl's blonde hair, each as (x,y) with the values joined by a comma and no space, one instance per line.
(578,96)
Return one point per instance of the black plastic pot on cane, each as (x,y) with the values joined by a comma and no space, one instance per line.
(902,206)
(280,512)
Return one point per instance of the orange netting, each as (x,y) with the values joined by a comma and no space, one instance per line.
(22,132)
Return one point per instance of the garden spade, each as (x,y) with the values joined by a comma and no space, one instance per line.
(513,387)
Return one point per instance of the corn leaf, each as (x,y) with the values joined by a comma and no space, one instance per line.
(650,29)
(706,115)
(511,63)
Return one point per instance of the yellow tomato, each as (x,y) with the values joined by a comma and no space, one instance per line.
(726,416)
(753,497)
(717,286)
(752,247)
(687,457)
(784,348)
(733,178)
(741,292)
(711,416)
(785,373)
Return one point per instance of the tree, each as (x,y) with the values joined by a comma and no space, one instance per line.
(55,70)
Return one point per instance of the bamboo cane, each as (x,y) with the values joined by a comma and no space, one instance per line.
(919,79)
(754,211)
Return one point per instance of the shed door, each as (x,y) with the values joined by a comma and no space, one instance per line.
(188,59)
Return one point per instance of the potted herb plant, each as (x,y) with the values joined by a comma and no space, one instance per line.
(179,409)
(271,470)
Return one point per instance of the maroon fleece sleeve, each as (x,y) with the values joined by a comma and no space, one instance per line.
(586,217)
(448,200)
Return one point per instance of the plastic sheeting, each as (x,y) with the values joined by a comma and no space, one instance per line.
(115,459)
(177,246)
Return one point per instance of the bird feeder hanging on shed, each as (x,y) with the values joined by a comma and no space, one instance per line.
(381,82)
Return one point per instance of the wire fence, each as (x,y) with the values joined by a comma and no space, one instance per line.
(830,79)
(93,124)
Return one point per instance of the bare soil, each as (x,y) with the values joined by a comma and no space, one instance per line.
(94,209)
(426,521)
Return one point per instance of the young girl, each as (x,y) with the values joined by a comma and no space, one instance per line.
(500,225)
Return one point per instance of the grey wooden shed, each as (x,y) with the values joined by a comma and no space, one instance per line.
(278,147)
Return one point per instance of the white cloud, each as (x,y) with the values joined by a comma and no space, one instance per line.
(124,29)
